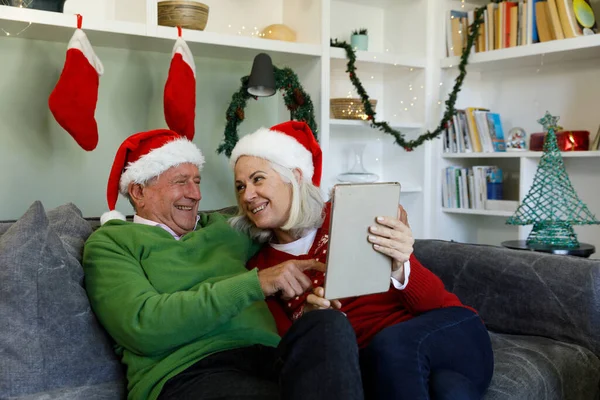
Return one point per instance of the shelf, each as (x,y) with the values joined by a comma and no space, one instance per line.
(522,154)
(574,49)
(411,189)
(489,213)
(363,124)
(371,3)
(389,59)
(59,27)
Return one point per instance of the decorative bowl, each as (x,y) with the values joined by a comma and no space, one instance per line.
(184,13)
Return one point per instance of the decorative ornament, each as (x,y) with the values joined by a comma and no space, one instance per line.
(450,110)
(552,205)
(358,173)
(516,140)
(73,100)
(180,90)
(297,101)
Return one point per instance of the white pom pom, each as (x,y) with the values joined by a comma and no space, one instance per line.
(114,214)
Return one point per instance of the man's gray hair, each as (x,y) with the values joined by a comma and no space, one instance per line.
(147,182)
(306,211)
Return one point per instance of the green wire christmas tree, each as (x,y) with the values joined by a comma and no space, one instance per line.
(552,205)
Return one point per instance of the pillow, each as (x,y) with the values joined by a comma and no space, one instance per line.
(49,337)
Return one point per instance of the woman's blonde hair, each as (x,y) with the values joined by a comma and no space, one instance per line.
(306,210)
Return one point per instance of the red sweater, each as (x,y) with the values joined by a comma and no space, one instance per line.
(368,314)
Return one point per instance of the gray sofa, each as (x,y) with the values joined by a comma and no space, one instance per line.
(542,311)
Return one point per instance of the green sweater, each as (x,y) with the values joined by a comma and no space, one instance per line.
(169,303)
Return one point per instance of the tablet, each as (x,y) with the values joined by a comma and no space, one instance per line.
(354,268)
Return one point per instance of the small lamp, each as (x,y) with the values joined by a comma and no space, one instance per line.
(262,79)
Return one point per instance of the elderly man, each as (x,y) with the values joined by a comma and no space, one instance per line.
(188,318)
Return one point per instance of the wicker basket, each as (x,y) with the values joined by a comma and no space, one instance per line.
(349,108)
(186,14)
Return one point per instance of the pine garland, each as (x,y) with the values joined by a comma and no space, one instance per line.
(450,110)
(300,105)
(297,101)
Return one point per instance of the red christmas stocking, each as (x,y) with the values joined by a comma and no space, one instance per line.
(180,90)
(73,100)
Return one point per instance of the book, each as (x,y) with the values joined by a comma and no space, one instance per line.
(464,129)
(492,9)
(532,33)
(483,130)
(455,33)
(514,27)
(555,20)
(524,21)
(567,18)
(473,133)
(508,16)
(595,144)
(542,18)
(496,131)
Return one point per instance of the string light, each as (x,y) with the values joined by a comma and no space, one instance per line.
(19,4)
(7,33)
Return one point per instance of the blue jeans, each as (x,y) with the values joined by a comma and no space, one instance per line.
(443,354)
(316,359)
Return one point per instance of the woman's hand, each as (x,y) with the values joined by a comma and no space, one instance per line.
(393,237)
(316,301)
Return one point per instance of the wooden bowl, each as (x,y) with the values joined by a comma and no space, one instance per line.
(186,14)
(349,108)
(278,32)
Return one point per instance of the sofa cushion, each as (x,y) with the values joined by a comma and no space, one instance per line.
(102,391)
(521,292)
(49,338)
(4,227)
(533,368)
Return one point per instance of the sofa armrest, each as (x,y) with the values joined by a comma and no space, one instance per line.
(521,292)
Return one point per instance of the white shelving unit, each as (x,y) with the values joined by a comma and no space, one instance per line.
(521,84)
(405,69)
(521,154)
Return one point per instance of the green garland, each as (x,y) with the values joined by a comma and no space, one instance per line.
(302,109)
(297,101)
(450,110)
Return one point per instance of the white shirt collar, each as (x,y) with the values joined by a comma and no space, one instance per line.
(298,247)
(139,220)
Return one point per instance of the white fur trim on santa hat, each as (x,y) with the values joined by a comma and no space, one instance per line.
(159,160)
(182,48)
(107,216)
(277,147)
(81,42)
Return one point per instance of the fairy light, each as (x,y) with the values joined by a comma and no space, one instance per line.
(19,4)
(7,33)
(536,102)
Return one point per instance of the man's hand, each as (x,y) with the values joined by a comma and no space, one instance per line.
(316,301)
(288,277)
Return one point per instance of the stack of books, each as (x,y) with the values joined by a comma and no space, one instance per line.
(516,23)
(474,130)
(472,188)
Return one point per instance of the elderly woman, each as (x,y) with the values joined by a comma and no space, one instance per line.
(417,340)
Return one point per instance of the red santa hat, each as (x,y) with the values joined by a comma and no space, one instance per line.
(290,144)
(144,156)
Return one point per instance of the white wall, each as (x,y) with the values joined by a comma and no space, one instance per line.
(40,161)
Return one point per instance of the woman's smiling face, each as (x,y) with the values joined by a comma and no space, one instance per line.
(262,193)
